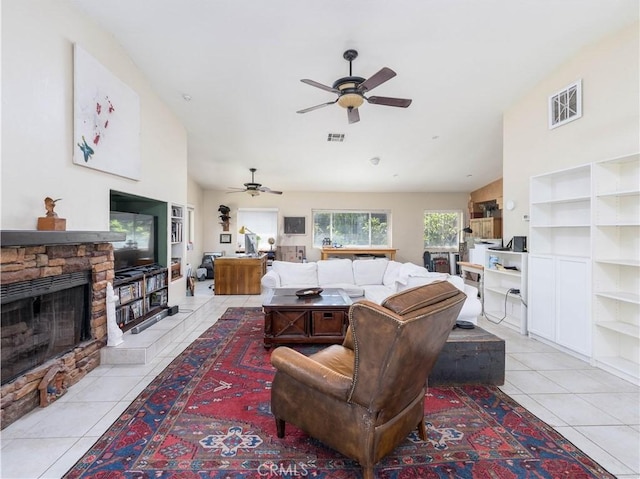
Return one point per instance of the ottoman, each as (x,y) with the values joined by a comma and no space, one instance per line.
(470,356)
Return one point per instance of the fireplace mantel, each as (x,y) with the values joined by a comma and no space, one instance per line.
(10,238)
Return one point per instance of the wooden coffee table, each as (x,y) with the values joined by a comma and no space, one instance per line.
(314,319)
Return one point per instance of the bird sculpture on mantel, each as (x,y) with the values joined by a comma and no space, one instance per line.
(49,205)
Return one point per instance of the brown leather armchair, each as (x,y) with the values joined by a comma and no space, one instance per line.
(365,396)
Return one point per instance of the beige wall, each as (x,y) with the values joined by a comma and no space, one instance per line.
(37,121)
(407,211)
(37,124)
(609,126)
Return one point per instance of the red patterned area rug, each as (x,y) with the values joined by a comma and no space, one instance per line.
(207,416)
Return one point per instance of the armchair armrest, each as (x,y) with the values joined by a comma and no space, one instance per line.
(311,373)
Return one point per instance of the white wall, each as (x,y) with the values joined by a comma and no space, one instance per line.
(407,213)
(37,124)
(195,199)
(37,121)
(609,127)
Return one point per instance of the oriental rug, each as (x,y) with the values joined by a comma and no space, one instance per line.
(207,416)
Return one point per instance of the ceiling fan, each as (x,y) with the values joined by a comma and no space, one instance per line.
(253,188)
(351,90)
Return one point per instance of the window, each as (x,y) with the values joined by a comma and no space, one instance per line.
(442,230)
(261,221)
(191,227)
(351,228)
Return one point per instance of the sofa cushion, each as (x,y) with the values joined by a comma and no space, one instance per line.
(331,271)
(351,289)
(410,270)
(369,271)
(391,274)
(296,274)
(413,281)
(378,292)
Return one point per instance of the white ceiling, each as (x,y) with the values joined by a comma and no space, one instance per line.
(463,62)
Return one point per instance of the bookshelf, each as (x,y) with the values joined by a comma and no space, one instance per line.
(616,266)
(142,292)
(584,262)
(505,272)
(559,259)
(177,241)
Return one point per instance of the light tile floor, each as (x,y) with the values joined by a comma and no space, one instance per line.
(597,411)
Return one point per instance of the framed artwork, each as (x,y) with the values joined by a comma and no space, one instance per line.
(225,238)
(294,225)
(106,119)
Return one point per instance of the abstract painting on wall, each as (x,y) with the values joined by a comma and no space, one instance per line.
(106,130)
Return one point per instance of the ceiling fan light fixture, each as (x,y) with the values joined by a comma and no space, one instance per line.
(350,100)
(351,90)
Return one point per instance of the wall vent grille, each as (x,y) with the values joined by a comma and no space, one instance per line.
(565,105)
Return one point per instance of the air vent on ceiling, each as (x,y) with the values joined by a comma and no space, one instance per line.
(565,105)
(338,137)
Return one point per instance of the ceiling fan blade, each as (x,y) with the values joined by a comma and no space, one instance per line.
(264,189)
(320,85)
(321,105)
(239,190)
(383,100)
(377,79)
(353,115)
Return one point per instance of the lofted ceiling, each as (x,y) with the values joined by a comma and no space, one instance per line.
(462,62)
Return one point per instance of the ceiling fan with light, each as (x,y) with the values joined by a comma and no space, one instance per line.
(253,188)
(351,90)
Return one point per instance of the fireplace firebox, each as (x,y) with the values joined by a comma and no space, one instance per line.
(42,319)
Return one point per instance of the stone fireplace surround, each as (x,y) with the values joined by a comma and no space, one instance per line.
(28,255)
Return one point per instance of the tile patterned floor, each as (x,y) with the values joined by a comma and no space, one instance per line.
(597,411)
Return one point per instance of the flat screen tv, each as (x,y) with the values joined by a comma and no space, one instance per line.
(139,247)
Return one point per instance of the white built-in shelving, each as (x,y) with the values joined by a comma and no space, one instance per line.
(559,259)
(560,212)
(505,288)
(177,241)
(584,262)
(616,266)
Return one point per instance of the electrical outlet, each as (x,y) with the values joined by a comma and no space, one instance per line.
(525,217)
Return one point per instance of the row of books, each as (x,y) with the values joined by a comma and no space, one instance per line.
(129,292)
(176,231)
(129,312)
(156,282)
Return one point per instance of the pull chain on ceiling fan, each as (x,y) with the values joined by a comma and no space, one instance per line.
(351,90)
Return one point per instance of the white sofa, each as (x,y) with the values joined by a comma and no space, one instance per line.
(372,279)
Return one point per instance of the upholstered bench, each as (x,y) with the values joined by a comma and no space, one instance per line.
(470,356)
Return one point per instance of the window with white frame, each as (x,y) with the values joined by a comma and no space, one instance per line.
(191,227)
(352,228)
(261,221)
(442,230)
